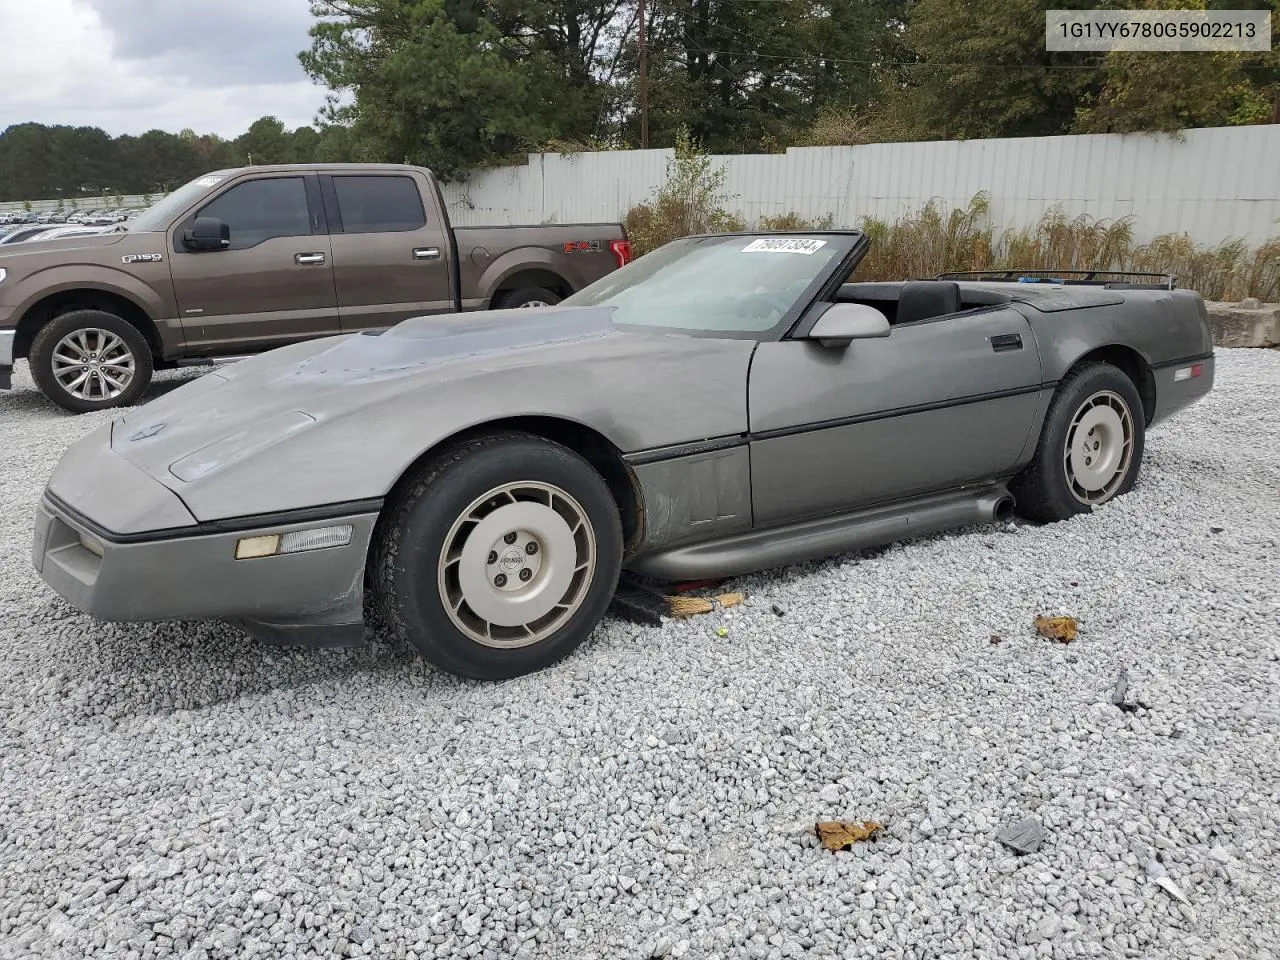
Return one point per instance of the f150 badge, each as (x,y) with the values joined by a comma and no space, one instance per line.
(142,258)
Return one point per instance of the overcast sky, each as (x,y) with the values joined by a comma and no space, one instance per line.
(129,66)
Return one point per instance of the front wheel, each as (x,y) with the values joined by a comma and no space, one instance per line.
(1090,447)
(90,360)
(501,557)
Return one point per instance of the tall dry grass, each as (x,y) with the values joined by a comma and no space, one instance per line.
(928,243)
(935,240)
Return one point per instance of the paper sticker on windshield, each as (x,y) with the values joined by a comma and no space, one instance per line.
(209,181)
(784,245)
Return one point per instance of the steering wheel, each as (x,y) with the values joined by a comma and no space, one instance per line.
(764,305)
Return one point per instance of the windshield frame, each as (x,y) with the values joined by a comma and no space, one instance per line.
(178,202)
(850,244)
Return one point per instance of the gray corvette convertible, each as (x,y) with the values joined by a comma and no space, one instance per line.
(721,405)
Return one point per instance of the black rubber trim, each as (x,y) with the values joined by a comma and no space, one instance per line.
(537,226)
(899,412)
(657,454)
(333,511)
(1199,358)
(6,378)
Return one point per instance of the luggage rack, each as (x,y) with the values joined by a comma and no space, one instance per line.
(1153,281)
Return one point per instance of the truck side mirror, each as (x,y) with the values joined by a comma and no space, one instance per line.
(208,233)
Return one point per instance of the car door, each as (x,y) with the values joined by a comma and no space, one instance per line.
(274,284)
(390,260)
(936,404)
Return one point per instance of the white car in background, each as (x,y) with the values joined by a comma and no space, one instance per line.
(49,232)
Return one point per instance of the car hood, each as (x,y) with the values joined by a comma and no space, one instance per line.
(339,419)
(35,247)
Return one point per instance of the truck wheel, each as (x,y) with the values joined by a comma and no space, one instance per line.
(529,297)
(1090,447)
(500,558)
(90,360)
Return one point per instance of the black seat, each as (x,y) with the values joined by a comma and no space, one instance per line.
(926,299)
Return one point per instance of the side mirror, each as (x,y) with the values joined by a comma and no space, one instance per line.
(208,233)
(842,323)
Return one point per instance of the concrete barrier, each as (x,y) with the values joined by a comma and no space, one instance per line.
(1249,323)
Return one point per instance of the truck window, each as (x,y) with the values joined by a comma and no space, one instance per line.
(379,204)
(261,210)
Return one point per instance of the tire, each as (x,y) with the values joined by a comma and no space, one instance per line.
(432,563)
(1062,482)
(83,334)
(530,297)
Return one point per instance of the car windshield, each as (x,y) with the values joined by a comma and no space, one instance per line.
(158,216)
(724,286)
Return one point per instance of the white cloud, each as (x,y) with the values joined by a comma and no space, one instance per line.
(141,66)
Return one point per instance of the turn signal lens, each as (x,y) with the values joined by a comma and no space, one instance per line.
(299,541)
(1187,373)
(251,547)
(302,540)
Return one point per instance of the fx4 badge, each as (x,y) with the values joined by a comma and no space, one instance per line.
(584,246)
(142,258)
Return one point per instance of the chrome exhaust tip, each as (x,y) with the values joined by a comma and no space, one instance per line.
(997,507)
(1002,512)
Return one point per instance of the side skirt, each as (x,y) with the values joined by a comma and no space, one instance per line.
(826,536)
(304,634)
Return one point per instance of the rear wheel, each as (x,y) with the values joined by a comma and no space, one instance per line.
(90,360)
(530,297)
(1090,447)
(501,558)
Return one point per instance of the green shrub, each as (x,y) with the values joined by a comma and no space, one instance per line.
(690,202)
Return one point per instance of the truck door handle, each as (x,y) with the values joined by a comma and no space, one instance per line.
(426,253)
(1006,341)
(304,259)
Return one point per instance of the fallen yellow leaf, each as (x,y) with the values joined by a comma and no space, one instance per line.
(842,834)
(1062,629)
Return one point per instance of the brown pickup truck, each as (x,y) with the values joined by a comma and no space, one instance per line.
(240,261)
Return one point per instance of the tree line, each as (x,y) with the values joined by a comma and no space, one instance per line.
(461,84)
(39,162)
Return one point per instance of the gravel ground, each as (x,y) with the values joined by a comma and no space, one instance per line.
(178,790)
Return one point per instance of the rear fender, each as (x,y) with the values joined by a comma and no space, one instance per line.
(518,261)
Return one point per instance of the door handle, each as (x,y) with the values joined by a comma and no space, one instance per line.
(1006,341)
(426,253)
(304,259)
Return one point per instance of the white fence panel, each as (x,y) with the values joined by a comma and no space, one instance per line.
(1215,184)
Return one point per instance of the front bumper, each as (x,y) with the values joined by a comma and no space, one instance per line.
(312,597)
